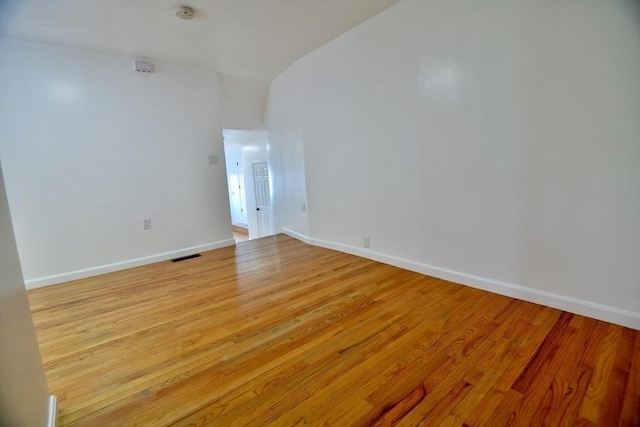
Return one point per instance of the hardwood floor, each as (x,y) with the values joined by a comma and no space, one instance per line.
(275,332)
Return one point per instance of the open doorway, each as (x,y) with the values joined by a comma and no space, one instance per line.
(244,149)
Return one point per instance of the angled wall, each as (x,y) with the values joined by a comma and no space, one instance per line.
(285,149)
(495,144)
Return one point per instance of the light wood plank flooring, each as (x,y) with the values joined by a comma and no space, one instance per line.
(240,237)
(275,332)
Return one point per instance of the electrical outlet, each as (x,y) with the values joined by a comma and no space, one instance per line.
(365,242)
(146,223)
(213,159)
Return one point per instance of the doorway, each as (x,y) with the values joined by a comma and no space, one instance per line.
(243,149)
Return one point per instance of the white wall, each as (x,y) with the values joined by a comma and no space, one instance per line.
(242,102)
(496,144)
(286,152)
(24,396)
(90,147)
(235,182)
(252,147)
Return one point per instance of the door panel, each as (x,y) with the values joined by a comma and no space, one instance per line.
(263,198)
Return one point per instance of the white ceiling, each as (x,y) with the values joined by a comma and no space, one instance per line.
(255,39)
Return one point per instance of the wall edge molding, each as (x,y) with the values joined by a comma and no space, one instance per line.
(40,282)
(606,313)
(52,416)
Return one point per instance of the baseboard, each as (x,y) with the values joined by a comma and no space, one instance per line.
(52,417)
(40,282)
(573,305)
(240,228)
(297,235)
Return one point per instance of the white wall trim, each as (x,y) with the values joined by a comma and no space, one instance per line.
(606,313)
(298,236)
(40,282)
(52,417)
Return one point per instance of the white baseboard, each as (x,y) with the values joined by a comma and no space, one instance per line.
(297,235)
(52,416)
(40,282)
(573,305)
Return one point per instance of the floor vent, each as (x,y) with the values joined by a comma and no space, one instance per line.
(182,258)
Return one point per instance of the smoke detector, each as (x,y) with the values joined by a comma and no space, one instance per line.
(185,12)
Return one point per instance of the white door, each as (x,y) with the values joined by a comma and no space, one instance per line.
(263,198)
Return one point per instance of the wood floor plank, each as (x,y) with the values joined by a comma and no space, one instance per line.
(616,385)
(596,392)
(276,332)
(631,404)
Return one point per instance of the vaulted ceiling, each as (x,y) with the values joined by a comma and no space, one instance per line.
(254,39)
